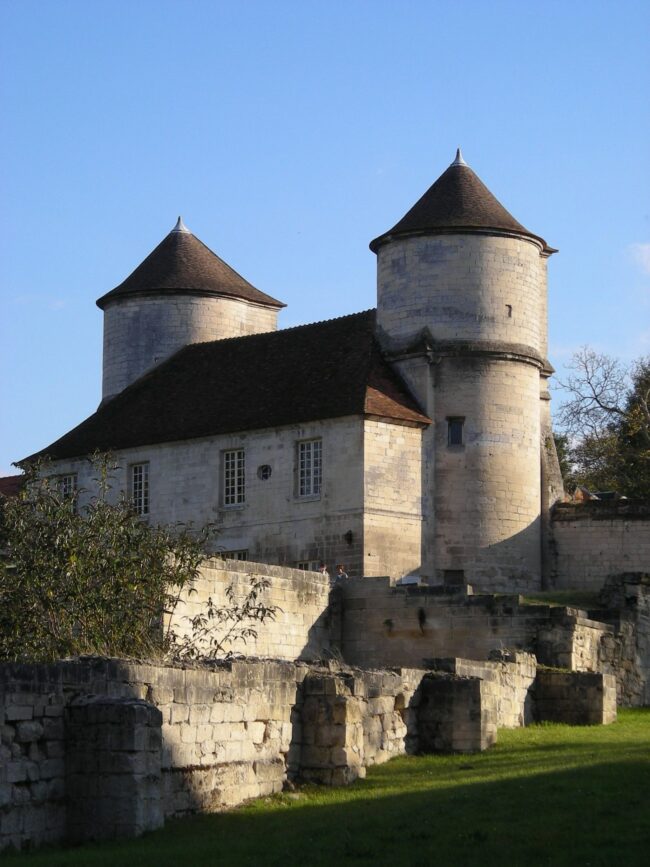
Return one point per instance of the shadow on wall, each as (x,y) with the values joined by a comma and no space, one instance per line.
(512,565)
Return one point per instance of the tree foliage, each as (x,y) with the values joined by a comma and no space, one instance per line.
(99,580)
(606,422)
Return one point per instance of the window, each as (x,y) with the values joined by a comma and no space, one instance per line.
(455,431)
(234,483)
(234,555)
(308,565)
(310,467)
(67,485)
(139,482)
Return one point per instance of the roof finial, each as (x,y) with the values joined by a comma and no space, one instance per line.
(181,227)
(459,161)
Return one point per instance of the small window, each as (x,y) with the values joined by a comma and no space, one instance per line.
(454,577)
(139,483)
(308,565)
(241,554)
(234,477)
(455,431)
(310,467)
(264,472)
(66,486)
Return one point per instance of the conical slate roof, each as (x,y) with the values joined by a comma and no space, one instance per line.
(182,263)
(457,201)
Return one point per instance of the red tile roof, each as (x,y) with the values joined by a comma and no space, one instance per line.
(11,486)
(324,370)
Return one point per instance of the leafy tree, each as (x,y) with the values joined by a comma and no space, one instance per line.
(99,581)
(606,422)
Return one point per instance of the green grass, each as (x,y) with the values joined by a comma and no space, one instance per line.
(545,795)
(570,598)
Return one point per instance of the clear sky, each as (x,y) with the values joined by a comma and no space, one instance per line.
(288,134)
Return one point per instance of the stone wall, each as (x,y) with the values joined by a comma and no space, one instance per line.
(113,768)
(223,735)
(454,715)
(403,626)
(96,748)
(392,507)
(302,627)
(274,524)
(625,652)
(596,539)
(355,719)
(507,680)
(576,698)
(466,286)
(571,640)
(176,321)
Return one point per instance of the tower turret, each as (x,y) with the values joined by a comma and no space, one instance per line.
(181,293)
(461,310)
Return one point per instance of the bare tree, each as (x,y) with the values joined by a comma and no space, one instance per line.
(607,420)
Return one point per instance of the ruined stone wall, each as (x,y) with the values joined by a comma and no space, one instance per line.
(301,628)
(95,748)
(571,640)
(351,720)
(219,736)
(507,683)
(403,626)
(625,651)
(599,538)
(576,698)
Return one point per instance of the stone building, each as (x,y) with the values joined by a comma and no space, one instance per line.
(413,439)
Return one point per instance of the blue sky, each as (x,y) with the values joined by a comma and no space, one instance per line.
(288,135)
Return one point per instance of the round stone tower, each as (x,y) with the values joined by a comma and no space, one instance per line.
(181,293)
(461,311)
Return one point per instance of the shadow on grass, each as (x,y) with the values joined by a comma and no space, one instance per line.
(545,804)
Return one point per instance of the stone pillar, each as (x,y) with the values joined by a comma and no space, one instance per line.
(113,768)
(455,715)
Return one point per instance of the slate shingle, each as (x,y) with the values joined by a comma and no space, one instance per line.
(457,200)
(324,370)
(182,263)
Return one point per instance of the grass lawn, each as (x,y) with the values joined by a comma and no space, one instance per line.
(545,795)
(571,598)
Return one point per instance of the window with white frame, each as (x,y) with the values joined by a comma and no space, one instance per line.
(66,485)
(241,554)
(310,467)
(308,565)
(234,477)
(139,488)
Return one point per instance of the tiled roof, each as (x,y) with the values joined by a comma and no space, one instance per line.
(11,486)
(182,263)
(458,200)
(324,370)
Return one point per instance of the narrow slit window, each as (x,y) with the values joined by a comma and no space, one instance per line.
(455,430)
